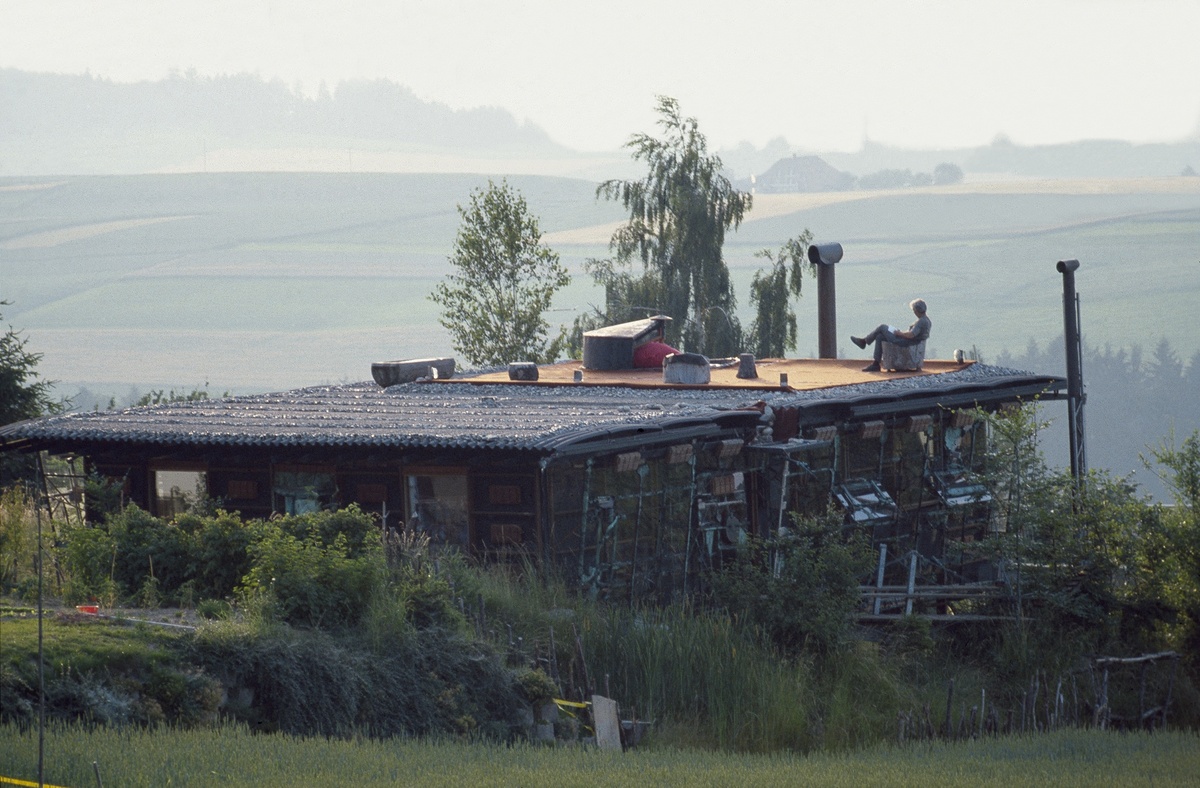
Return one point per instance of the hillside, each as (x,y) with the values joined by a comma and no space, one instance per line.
(277,280)
(63,123)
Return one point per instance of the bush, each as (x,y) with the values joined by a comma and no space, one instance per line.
(354,526)
(801,588)
(148,547)
(18,537)
(220,552)
(89,558)
(311,583)
(308,682)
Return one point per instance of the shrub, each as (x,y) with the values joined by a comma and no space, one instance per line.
(309,682)
(309,582)
(18,536)
(354,526)
(89,558)
(213,609)
(146,547)
(220,554)
(801,588)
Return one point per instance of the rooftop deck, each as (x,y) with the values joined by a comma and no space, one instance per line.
(805,374)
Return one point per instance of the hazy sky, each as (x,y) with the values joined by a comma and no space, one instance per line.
(821,73)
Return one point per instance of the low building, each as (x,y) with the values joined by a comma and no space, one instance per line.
(632,485)
(803,174)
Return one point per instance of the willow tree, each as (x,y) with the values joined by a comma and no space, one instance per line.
(505,278)
(773,332)
(679,212)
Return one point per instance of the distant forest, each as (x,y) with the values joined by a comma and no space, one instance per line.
(53,123)
(1135,400)
(82,124)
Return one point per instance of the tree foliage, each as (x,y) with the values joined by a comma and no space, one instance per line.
(24,394)
(1180,470)
(679,212)
(800,587)
(773,332)
(494,304)
(1095,567)
(947,173)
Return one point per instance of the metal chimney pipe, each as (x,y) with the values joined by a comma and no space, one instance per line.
(824,257)
(1073,339)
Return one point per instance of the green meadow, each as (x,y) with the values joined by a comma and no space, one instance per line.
(267,281)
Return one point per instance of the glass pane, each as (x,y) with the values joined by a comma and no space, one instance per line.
(437,505)
(176,491)
(301,493)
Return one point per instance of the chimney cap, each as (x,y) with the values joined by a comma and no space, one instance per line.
(824,254)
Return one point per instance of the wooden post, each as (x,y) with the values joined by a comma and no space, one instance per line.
(1102,709)
(949,707)
(879,576)
(1142,693)
(912,582)
(607,722)
(587,681)
(1170,688)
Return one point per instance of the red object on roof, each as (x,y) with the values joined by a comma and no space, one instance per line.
(650,355)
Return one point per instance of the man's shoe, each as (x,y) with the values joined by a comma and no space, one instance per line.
(872,367)
(862,343)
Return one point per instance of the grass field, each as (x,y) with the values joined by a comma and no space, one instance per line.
(234,756)
(274,280)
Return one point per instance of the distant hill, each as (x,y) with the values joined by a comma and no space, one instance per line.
(1085,159)
(81,124)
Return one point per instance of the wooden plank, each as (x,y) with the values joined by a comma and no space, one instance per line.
(607,722)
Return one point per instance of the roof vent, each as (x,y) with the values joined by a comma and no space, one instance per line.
(522,370)
(690,368)
(390,373)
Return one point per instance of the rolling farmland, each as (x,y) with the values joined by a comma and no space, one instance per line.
(269,281)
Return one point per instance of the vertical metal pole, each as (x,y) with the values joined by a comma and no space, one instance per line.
(1080,431)
(1075,396)
(783,494)
(41,646)
(824,257)
(826,311)
(912,582)
(879,577)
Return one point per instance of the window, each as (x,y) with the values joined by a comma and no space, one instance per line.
(177,491)
(300,492)
(437,505)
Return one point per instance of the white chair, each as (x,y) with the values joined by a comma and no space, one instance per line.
(903,359)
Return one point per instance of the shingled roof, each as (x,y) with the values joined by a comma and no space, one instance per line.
(547,419)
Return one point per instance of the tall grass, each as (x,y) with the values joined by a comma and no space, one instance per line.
(704,681)
(700,676)
(235,756)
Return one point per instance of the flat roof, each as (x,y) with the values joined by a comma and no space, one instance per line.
(805,374)
(488,411)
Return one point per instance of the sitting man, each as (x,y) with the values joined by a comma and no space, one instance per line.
(917,333)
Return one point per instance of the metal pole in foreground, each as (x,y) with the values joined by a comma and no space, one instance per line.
(1074,348)
(41,773)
